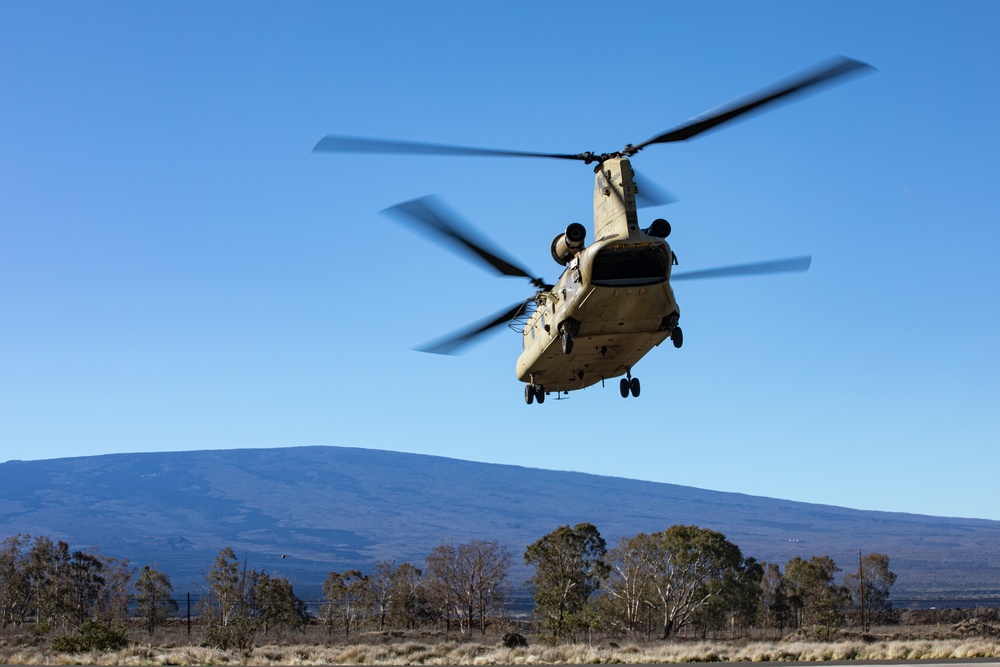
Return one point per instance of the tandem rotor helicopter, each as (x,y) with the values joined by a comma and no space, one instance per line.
(613,302)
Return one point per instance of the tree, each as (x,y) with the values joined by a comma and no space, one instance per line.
(228,603)
(626,590)
(409,597)
(569,566)
(344,597)
(870,586)
(736,600)
(43,579)
(277,606)
(43,567)
(115,595)
(815,600)
(82,577)
(154,603)
(470,581)
(691,566)
(381,590)
(773,611)
(16,591)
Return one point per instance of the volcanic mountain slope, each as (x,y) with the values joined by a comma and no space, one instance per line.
(303,512)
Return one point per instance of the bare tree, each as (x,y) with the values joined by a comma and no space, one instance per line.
(114,596)
(381,589)
(470,581)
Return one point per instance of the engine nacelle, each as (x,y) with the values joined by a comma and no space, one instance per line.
(567,244)
(659,228)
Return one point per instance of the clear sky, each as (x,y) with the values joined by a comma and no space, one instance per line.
(179,271)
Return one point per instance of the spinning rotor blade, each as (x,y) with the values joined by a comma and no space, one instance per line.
(431,216)
(333,143)
(789,265)
(649,194)
(827,73)
(453,343)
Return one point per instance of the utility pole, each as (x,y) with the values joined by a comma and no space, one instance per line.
(861,594)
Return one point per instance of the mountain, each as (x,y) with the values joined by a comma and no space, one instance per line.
(302,512)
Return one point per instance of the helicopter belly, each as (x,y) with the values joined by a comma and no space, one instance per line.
(614,329)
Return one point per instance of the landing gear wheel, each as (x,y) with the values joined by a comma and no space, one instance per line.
(539,393)
(529,394)
(567,341)
(633,386)
(677,336)
(624,385)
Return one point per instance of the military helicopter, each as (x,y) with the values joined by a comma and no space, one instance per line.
(613,302)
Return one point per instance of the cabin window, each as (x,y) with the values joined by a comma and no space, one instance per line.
(620,266)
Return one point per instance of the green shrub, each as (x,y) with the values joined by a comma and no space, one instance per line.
(40,629)
(92,636)
(236,635)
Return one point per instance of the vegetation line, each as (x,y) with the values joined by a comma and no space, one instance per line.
(685,594)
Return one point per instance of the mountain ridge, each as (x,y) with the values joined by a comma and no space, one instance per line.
(304,511)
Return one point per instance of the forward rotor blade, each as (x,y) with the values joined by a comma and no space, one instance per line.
(456,341)
(333,143)
(430,215)
(825,73)
(789,265)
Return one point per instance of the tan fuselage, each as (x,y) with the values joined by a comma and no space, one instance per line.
(614,296)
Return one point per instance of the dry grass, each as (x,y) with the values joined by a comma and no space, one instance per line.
(483,653)
(173,646)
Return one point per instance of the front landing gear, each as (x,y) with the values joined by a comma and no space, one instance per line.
(534,392)
(629,385)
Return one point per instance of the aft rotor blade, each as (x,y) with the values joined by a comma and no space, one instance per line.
(789,265)
(649,194)
(333,143)
(430,215)
(453,343)
(825,73)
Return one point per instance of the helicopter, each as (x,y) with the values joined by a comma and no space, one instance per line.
(613,302)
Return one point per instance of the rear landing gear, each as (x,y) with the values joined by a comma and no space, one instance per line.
(534,392)
(629,385)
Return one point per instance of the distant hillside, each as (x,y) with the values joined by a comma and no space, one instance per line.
(301,512)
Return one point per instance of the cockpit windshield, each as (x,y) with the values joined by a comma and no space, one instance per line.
(622,266)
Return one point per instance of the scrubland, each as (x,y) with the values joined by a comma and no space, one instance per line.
(173,647)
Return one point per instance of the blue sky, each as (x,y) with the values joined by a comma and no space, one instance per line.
(179,271)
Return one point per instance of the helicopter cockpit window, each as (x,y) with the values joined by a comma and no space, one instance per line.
(630,265)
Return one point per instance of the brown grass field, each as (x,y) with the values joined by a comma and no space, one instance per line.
(172,646)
